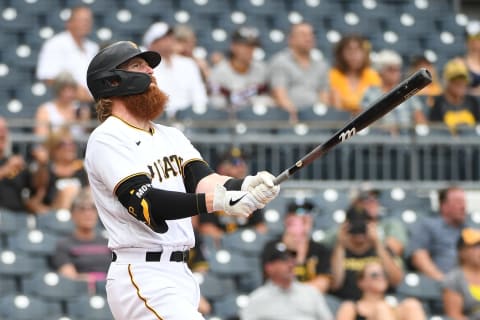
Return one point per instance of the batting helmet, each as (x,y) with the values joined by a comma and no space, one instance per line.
(104,79)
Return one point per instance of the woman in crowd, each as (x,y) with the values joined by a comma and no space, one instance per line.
(461,292)
(351,74)
(373,283)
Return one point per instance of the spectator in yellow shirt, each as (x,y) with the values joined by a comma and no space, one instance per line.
(351,74)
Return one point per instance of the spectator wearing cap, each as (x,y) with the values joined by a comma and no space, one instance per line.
(177,75)
(312,259)
(71,51)
(461,286)
(233,164)
(391,231)
(388,64)
(472,56)
(455,107)
(432,244)
(84,254)
(62,110)
(298,79)
(357,243)
(282,297)
(240,81)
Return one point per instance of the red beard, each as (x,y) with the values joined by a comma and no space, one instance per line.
(148,105)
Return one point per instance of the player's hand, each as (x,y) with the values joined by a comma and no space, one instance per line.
(235,203)
(261,186)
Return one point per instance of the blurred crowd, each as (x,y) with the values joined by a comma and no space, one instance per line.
(360,261)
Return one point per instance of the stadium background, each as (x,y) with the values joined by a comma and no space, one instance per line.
(410,168)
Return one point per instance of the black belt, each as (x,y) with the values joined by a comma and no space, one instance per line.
(150,256)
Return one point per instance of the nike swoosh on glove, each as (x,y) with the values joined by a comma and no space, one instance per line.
(235,203)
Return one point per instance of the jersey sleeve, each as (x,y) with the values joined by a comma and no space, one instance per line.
(122,160)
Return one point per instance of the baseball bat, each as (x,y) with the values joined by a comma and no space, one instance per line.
(375,111)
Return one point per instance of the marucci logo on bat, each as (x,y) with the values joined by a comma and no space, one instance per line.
(347,134)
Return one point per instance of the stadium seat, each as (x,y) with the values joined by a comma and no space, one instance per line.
(27,307)
(313,10)
(214,287)
(229,306)
(149,8)
(15,264)
(245,241)
(8,285)
(209,7)
(421,287)
(97,6)
(228,263)
(13,20)
(87,307)
(54,287)
(333,303)
(35,242)
(373,9)
(58,222)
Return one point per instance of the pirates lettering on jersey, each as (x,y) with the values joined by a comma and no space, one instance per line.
(166,168)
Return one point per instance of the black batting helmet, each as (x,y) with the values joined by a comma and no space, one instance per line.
(104,79)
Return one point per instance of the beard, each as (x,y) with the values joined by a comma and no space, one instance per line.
(147,105)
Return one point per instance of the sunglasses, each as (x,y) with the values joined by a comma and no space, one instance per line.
(376,275)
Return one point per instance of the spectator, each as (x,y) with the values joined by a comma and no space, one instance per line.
(62,110)
(351,74)
(460,288)
(173,72)
(16,180)
(455,107)
(432,245)
(186,43)
(392,232)
(357,244)
(233,164)
(297,78)
(240,81)
(70,51)
(435,87)
(282,297)
(311,258)
(65,174)
(84,254)
(389,66)
(472,56)
(373,284)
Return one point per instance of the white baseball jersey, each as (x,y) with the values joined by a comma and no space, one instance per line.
(115,152)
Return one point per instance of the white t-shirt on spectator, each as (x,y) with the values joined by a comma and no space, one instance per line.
(61,53)
(182,82)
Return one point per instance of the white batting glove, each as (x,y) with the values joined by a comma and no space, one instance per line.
(235,203)
(261,186)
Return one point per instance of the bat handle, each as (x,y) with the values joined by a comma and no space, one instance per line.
(281,177)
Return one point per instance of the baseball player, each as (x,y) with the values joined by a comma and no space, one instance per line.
(148,181)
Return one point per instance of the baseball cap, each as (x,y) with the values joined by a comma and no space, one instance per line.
(468,237)
(246,35)
(156,31)
(276,251)
(358,219)
(454,69)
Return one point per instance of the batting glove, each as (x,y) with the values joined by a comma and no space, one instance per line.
(235,203)
(261,186)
